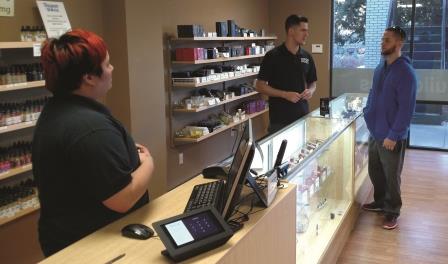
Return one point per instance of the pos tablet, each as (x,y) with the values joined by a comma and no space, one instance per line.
(192,233)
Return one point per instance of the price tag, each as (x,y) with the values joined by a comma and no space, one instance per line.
(36,49)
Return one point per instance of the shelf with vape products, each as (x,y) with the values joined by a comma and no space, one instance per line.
(20,44)
(18,200)
(195,55)
(190,138)
(205,61)
(15,171)
(225,38)
(15,159)
(219,51)
(21,86)
(19,115)
(211,103)
(204,81)
(19,126)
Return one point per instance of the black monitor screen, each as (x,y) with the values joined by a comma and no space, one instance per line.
(237,172)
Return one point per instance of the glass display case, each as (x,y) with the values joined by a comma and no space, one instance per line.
(324,157)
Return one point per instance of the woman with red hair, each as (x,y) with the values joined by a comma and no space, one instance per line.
(88,170)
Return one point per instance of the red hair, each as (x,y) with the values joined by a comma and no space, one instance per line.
(67,59)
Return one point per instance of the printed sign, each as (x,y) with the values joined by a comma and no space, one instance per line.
(7,8)
(36,49)
(55,18)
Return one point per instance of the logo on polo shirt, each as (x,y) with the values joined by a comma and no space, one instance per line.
(305,60)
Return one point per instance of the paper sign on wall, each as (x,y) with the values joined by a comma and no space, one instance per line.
(55,18)
(7,8)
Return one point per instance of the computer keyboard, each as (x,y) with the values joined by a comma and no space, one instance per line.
(206,194)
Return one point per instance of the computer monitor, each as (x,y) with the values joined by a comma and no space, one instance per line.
(237,173)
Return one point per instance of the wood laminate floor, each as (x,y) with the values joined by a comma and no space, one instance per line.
(422,234)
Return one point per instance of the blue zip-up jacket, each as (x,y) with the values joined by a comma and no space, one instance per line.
(391,101)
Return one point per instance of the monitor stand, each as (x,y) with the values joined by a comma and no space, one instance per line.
(258,190)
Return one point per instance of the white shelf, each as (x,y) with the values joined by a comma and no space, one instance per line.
(23,125)
(222,129)
(203,108)
(225,38)
(16,171)
(21,86)
(219,60)
(18,44)
(195,85)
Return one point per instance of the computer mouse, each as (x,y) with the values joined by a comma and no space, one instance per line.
(137,231)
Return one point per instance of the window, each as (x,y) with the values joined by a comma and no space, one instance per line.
(357,32)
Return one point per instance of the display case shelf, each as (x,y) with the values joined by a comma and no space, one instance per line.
(195,85)
(204,108)
(23,125)
(225,38)
(222,129)
(18,44)
(21,86)
(319,236)
(219,60)
(4,220)
(16,171)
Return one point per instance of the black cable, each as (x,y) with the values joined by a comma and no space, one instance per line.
(236,139)
(245,215)
(235,210)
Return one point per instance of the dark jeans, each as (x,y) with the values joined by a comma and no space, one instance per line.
(385,173)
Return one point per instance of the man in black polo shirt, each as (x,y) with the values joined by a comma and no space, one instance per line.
(288,76)
(88,170)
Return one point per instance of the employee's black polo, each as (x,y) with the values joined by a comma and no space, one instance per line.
(81,157)
(288,72)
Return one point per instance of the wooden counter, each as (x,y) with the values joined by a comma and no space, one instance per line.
(268,237)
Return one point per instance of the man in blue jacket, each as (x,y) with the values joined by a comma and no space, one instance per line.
(388,114)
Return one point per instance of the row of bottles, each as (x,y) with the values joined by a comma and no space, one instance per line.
(16,155)
(33,33)
(9,194)
(21,73)
(17,112)
(18,197)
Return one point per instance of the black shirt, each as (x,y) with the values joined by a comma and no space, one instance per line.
(81,157)
(288,72)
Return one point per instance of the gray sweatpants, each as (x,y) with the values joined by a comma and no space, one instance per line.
(385,173)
